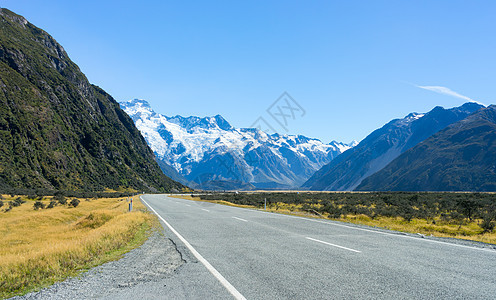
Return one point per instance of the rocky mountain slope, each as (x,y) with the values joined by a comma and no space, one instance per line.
(214,155)
(461,157)
(382,146)
(59,132)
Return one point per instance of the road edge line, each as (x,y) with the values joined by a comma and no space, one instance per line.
(198,256)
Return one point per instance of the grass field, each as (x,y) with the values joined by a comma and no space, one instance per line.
(42,246)
(436,226)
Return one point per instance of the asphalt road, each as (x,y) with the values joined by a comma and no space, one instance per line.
(257,255)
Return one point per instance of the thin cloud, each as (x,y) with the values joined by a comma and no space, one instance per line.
(446,91)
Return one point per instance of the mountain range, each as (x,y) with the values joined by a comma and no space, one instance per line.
(462,157)
(382,146)
(209,153)
(58,131)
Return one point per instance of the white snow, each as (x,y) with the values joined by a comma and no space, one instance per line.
(198,136)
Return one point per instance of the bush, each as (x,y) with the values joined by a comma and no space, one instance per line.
(1,203)
(74,202)
(52,204)
(488,223)
(61,199)
(333,211)
(17,202)
(38,205)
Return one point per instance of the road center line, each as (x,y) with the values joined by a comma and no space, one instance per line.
(240,219)
(187,204)
(198,256)
(205,210)
(349,249)
(399,235)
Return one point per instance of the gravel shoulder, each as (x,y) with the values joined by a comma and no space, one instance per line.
(157,269)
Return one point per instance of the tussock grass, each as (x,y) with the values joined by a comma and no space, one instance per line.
(40,247)
(436,227)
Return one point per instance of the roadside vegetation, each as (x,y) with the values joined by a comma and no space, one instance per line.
(47,239)
(470,216)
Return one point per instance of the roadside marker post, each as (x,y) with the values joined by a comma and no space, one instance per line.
(265,203)
(131,205)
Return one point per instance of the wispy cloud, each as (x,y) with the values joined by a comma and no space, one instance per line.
(446,91)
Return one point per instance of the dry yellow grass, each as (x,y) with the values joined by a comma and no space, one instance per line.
(39,247)
(467,231)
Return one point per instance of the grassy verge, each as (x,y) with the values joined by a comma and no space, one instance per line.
(436,226)
(42,246)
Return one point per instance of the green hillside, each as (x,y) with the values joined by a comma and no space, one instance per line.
(59,132)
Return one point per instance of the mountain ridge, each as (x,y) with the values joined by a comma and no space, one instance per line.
(382,146)
(209,149)
(462,157)
(58,131)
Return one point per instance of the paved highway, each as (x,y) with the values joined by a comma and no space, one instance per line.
(257,255)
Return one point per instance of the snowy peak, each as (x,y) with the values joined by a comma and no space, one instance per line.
(196,123)
(209,149)
(137,109)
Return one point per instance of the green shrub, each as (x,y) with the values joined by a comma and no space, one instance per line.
(17,202)
(74,202)
(488,222)
(61,199)
(38,205)
(52,204)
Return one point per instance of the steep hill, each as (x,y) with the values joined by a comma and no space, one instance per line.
(382,146)
(212,154)
(58,131)
(462,157)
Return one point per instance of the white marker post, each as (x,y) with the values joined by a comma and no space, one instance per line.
(265,203)
(131,205)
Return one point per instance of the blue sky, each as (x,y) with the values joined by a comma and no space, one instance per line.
(352,66)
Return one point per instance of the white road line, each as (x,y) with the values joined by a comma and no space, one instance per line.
(187,204)
(381,232)
(207,265)
(370,230)
(349,249)
(205,209)
(240,219)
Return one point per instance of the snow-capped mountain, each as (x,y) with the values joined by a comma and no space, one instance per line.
(210,153)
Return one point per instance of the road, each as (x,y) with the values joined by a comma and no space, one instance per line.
(257,255)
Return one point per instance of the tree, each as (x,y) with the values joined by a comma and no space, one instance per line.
(74,202)
(468,206)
